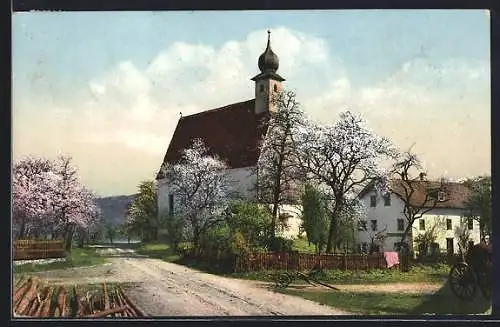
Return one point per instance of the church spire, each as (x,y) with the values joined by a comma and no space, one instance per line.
(268,61)
(268,81)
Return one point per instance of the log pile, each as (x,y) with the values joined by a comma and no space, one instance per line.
(34,298)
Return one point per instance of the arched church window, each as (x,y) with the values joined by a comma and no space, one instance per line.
(275,88)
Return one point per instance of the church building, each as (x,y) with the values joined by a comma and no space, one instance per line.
(234,133)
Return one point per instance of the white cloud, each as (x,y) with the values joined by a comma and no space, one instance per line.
(139,108)
(186,78)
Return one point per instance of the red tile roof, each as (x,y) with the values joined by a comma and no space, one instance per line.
(232,132)
(456,194)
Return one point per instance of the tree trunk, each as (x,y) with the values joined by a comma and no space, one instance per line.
(154,233)
(273,222)
(333,228)
(22,229)
(405,233)
(69,238)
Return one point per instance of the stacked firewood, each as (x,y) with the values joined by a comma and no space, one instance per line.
(34,298)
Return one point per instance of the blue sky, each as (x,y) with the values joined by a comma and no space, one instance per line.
(96,80)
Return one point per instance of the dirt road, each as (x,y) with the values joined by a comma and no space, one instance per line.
(167,289)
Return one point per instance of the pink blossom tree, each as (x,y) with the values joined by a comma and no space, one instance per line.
(49,200)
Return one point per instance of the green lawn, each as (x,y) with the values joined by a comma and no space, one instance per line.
(77,258)
(442,302)
(159,251)
(428,273)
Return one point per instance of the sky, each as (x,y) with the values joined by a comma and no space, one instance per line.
(107,88)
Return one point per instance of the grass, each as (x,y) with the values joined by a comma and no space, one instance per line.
(422,273)
(302,245)
(78,257)
(158,251)
(442,302)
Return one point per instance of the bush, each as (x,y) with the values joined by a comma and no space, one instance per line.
(216,238)
(174,227)
(281,244)
(251,220)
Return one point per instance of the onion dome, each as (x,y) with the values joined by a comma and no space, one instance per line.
(268,61)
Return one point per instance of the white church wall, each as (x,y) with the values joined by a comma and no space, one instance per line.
(242,183)
(293,222)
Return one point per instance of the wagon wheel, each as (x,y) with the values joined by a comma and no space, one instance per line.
(283,280)
(462,281)
(485,282)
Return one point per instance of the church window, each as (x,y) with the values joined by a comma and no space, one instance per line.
(261,88)
(275,88)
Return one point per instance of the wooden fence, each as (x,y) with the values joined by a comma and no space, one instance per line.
(286,261)
(34,249)
(306,261)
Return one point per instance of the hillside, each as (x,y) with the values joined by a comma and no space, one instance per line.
(114,208)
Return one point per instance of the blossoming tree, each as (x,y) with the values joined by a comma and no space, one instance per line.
(343,158)
(49,200)
(278,174)
(201,188)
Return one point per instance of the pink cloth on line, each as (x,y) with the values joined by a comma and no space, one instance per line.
(391,258)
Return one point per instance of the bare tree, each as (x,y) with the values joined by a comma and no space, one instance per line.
(418,195)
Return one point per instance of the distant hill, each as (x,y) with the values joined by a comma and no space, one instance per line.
(114,207)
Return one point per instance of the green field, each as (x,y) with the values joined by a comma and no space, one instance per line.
(443,302)
(78,257)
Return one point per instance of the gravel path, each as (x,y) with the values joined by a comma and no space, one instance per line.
(166,289)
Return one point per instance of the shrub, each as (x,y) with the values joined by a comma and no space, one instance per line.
(281,244)
(251,220)
(174,228)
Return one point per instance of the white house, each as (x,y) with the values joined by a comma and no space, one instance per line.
(385,216)
(234,133)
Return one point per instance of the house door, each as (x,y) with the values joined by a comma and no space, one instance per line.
(449,246)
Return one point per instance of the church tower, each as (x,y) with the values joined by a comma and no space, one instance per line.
(268,82)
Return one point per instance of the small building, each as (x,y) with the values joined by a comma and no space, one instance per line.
(385,220)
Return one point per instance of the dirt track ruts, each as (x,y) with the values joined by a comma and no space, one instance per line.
(167,289)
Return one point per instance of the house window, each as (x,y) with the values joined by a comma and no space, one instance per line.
(387,200)
(373,201)
(170,204)
(448,224)
(422,224)
(374,225)
(470,223)
(362,225)
(401,225)
(441,196)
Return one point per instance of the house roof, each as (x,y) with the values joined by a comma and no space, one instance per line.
(233,133)
(456,194)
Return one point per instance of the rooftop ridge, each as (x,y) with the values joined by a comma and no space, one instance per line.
(217,109)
